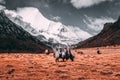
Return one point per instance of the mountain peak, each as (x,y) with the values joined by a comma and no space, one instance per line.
(48,28)
(118,22)
(119,19)
(110,35)
(13,38)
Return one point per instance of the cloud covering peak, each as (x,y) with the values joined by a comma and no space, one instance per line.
(96,24)
(86,3)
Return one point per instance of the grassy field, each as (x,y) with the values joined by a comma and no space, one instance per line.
(88,65)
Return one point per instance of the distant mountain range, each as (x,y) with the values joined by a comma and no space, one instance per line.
(38,25)
(110,35)
(17,35)
(13,38)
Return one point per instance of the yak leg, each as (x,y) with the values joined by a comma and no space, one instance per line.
(57,59)
(71,57)
(63,59)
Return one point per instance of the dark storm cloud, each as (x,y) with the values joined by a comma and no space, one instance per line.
(68,13)
(65,8)
(13,4)
(2,2)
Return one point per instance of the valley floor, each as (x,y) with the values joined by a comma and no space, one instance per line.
(88,65)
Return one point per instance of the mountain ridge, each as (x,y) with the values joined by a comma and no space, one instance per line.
(14,38)
(110,35)
(45,27)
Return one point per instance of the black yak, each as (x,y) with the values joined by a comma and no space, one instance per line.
(64,54)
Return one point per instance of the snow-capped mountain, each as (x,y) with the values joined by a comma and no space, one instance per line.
(13,38)
(36,24)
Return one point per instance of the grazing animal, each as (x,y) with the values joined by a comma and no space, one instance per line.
(47,52)
(98,51)
(65,54)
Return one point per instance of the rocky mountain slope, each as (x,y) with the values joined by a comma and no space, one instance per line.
(13,38)
(38,25)
(110,35)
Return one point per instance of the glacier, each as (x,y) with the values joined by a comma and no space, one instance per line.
(32,20)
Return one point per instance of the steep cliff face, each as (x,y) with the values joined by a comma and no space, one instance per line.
(14,38)
(110,35)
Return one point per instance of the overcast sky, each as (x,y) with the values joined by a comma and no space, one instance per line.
(88,15)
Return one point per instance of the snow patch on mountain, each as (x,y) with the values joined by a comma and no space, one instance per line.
(13,16)
(35,23)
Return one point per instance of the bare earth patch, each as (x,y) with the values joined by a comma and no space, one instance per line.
(88,65)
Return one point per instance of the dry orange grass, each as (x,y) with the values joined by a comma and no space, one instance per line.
(87,66)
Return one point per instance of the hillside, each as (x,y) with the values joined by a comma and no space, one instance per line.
(38,25)
(110,35)
(14,38)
